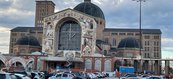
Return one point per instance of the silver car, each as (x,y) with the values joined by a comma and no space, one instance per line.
(156,77)
(62,76)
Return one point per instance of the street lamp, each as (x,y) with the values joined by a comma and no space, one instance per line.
(140,34)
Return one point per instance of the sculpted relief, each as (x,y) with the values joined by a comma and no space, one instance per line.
(49,30)
(48,45)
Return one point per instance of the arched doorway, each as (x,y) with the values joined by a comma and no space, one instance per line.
(2,61)
(2,64)
(17,64)
(117,64)
(136,65)
(16,67)
(30,64)
(146,65)
(126,62)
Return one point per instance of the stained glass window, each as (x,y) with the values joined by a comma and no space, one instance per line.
(70,36)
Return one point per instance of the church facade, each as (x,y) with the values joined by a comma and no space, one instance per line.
(79,35)
(78,38)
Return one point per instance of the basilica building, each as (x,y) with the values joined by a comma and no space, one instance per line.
(78,38)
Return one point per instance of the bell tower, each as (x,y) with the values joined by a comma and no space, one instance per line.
(43,8)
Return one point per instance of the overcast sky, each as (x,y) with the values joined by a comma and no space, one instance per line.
(156,14)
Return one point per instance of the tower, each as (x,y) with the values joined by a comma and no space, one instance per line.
(43,8)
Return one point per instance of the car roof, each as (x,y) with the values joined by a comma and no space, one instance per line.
(4,73)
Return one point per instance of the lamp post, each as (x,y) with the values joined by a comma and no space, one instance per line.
(140,33)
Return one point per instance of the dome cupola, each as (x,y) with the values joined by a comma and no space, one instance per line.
(28,40)
(128,43)
(89,8)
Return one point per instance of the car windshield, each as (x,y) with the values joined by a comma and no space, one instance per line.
(58,75)
(2,76)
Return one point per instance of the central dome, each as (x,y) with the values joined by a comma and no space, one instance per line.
(28,40)
(89,8)
(129,43)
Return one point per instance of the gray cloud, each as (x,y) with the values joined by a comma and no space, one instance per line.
(17,13)
(5,4)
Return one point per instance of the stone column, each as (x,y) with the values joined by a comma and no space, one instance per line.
(150,65)
(45,66)
(166,67)
(153,68)
(159,67)
(102,64)
(132,62)
(141,66)
(156,67)
(122,62)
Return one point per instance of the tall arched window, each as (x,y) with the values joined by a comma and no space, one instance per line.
(106,40)
(98,65)
(114,42)
(88,64)
(107,66)
(70,36)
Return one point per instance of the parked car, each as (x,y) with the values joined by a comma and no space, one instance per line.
(79,75)
(67,76)
(55,76)
(62,75)
(37,75)
(21,76)
(156,77)
(4,75)
(93,76)
(99,75)
(130,76)
(144,76)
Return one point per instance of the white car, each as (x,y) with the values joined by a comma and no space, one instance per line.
(130,76)
(62,76)
(156,77)
(56,76)
(93,76)
(67,76)
(21,76)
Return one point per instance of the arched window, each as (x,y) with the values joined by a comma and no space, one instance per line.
(70,36)
(107,66)
(106,40)
(98,65)
(88,64)
(114,42)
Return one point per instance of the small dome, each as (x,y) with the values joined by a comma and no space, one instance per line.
(28,40)
(128,43)
(89,8)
